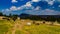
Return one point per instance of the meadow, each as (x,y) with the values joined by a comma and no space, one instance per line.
(18,27)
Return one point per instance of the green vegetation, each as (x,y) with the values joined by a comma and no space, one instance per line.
(19,32)
(5,25)
(1,14)
(42,29)
(11,25)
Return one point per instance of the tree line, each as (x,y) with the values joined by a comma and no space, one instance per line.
(14,16)
(33,17)
(51,18)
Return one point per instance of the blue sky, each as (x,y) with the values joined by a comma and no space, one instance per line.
(35,7)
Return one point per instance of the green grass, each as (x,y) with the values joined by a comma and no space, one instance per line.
(19,32)
(4,26)
(33,29)
(42,29)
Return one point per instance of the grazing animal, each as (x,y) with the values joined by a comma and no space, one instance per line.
(37,24)
(43,22)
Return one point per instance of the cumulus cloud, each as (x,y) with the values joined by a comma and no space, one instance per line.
(13,8)
(51,2)
(36,11)
(13,1)
(26,6)
(36,0)
(37,8)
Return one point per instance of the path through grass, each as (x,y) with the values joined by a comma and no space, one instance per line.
(18,27)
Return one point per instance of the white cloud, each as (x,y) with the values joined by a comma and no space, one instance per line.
(51,2)
(42,12)
(19,8)
(37,8)
(36,0)
(59,6)
(13,8)
(28,4)
(13,1)
(49,10)
(35,11)
(7,10)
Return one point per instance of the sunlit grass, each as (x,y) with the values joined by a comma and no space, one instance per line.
(5,25)
(42,29)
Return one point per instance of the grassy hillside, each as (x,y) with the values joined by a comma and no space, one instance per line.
(11,27)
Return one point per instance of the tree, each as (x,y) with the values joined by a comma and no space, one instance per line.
(10,15)
(14,17)
(1,14)
(52,19)
(58,20)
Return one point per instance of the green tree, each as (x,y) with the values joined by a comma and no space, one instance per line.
(58,20)
(1,14)
(14,17)
(52,19)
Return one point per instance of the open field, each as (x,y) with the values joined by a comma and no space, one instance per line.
(20,27)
